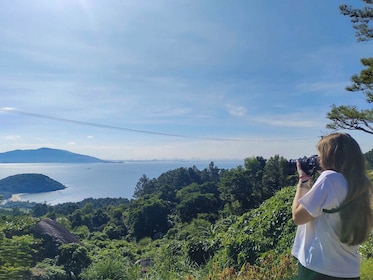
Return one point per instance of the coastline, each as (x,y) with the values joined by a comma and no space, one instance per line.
(97,180)
(15,197)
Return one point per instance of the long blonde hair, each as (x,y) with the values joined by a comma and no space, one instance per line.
(341,153)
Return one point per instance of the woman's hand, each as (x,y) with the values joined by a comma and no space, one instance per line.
(300,214)
(304,178)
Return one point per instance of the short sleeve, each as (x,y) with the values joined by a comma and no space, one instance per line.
(322,195)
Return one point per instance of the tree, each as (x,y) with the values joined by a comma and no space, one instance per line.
(360,19)
(171,181)
(40,209)
(99,219)
(144,186)
(211,174)
(148,217)
(241,188)
(74,258)
(16,255)
(197,199)
(350,117)
(274,176)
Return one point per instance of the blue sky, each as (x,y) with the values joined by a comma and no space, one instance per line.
(166,79)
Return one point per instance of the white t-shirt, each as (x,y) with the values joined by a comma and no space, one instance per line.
(317,245)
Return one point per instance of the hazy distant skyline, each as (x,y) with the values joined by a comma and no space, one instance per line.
(166,79)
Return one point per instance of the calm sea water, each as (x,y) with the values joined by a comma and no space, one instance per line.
(98,180)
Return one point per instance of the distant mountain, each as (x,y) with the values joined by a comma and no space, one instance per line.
(28,183)
(45,155)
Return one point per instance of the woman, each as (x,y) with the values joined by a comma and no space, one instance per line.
(333,216)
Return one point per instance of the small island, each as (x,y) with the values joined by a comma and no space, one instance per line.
(28,183)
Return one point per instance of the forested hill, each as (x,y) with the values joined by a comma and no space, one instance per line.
(46,155)
(28,183)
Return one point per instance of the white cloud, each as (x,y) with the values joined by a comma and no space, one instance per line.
(237,111)
(12,137)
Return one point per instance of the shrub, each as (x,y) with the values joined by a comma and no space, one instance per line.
(111,266)
(48,270)
(267,228)
(73,257)
(366,269)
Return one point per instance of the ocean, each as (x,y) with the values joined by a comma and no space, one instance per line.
(98,180)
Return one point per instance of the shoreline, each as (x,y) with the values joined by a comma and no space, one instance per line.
(15,197)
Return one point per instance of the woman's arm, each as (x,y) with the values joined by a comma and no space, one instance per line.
(300,214)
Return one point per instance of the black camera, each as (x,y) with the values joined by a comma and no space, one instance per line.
(308,164)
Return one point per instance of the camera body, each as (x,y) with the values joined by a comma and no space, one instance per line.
(308,164)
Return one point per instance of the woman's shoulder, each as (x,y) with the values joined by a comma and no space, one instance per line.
(332,175)
(329,172)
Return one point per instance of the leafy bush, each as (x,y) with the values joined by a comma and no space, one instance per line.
(111,266)
(16,255)
(366,269)
(267,228)
(201,250)
(366,249)
(147,218)
(74,258)
(48,270)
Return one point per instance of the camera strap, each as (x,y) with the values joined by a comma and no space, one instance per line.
(338,209)
(313,171)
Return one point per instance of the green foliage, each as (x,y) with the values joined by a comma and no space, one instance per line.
(168,183)
(267,228)
(243,189)
(40,209)
(18,248)
(74,258)
(275,176)
(366,269)
(68,208)
(350,117)
(200,250)
(48,270)
(360,18)
(99,219)
(16,255)
(240,190)
(114,231)
(211,174)
(366,249)
(82,232)
(17,225)
(147,218)
(196,199)
(144,186)
(111,266)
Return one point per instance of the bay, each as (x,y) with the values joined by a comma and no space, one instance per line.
(98,180)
